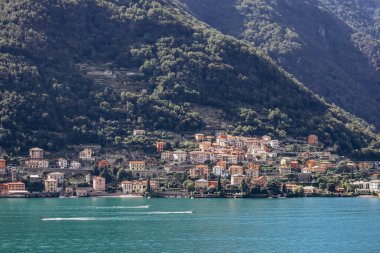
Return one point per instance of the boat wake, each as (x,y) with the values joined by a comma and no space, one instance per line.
(118,218)
(70,219)
(121,207)
(87,219)
(162,212)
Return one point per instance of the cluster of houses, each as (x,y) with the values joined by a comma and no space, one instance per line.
(254,160)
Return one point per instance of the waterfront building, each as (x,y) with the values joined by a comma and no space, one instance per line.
(127,187)
(139,187)
(99,184)
(361,187)
(81,192)
(201,183)
(51,185)
(309,189)
(374,186)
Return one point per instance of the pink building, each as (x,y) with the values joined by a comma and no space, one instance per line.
(99,184)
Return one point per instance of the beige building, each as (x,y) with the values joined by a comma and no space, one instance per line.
(99,184)
(51,185)
(60,177)
(166,156)
(199,137)
(127,187)
(139,187)
(36,153)
(37,163)
(86,154)
(201,183)
(136,165)
(237,179)
(236,170)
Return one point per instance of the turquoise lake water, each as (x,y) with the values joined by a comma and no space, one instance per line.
(168,225)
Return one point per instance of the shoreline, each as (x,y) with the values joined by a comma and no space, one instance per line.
(30,196)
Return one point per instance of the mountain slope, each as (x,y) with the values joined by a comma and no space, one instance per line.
(331,46)
(73,71)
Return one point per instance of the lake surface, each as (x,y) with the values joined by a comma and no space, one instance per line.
(168,225)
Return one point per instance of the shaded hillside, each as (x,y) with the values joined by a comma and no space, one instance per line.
(66,78)
(330,46)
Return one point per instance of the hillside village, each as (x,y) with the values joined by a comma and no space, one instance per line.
(218,165)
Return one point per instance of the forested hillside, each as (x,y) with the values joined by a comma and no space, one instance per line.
(51,49)
(331,46)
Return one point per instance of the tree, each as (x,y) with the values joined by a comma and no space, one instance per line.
(243,186)
(273,187)
(299,191)
(148,189)
(122,174)
(95,171)
(219,185)
(284,190)
(105,174)
(188,185)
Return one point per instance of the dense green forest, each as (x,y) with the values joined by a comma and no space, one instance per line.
(331,46)
(47,100)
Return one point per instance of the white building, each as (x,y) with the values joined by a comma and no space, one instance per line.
(138,132)
(285,170)
(75,165)
(274,144)
(179,156)
(361,187)
(237,179)
(62,163)
(374,186)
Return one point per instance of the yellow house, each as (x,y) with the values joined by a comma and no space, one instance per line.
(51,185)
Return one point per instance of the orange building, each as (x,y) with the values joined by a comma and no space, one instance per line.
(160,146)
(14,186)
(311,163)
(236,170)
(312,139)
(3,164)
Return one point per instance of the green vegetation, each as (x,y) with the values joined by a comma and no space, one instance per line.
(46,100)
(331,46)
